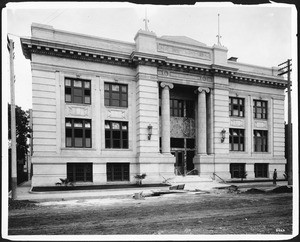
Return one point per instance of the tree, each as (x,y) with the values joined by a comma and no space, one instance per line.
(22,131)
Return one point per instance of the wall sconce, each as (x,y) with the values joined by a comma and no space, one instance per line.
(149,131)
(223,135)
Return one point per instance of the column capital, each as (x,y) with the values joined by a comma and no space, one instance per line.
(166,84)
(201,89)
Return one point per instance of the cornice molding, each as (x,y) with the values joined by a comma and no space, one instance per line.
(135,58)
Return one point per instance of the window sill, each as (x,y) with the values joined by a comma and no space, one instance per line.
(79,104)
(117,107)
(72,148)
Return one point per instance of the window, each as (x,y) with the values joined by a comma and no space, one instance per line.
(117,171)
(236,140)
(190,109)
(116,134)
(115,95)
(237,170)
(260,109)
(78,133)
(80,172)
(176,108)
(261,170)
(260,140)
(177,143)
(236,107)
(77,91)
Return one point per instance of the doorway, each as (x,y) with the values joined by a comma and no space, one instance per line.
(184,151)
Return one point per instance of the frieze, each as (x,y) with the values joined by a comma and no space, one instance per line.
(260,124)
(84,112)
(185,76)
(118,114)
(237,122)
(184,52)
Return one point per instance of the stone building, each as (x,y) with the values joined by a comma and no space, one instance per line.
(105,110)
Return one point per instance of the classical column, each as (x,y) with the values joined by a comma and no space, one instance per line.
(165,117)
(202,133)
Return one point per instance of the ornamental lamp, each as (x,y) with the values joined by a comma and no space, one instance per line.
(149,131)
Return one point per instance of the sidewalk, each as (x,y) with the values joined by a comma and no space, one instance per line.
(24,193)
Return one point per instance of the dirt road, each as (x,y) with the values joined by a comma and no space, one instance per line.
(168,214)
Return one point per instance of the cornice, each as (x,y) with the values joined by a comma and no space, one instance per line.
(133,59)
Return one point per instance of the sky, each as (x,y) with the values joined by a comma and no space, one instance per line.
(260,35)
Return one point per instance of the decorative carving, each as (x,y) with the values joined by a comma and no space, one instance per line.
(205,89)
(260,124)
(165,84)
(237,122)
(113,113)
(182,127)
(183,51)
(78,111)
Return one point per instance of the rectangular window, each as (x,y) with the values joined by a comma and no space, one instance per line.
(236,140)
(261,170)
(117,171)
(260,140)
(116,134)
(177,143)
(190,109)
(236,107)
(80,172)
(77,91)
(260,109)
(115,95)
(78,133)
(176,108)
(237,170)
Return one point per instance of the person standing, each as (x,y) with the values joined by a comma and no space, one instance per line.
(274,176)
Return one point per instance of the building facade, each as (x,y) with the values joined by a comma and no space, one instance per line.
(105,110)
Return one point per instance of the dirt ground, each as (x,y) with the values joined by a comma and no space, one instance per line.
(192,213)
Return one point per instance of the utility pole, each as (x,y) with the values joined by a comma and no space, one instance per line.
(10,46)
(287,70)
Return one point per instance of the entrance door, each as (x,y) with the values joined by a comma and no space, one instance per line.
(179,162)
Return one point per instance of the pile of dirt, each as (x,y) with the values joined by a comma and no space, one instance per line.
(282,189)
(254,191)
(19,204)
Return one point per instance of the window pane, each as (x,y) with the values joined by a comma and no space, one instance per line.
(116,144)
(87,85)
(68,98)
(77,123)
(77,83)
(88,142)
(116,134)
(125,144)
(124,126)
(115,88)
(77,99)
(87,124)
(107,126)
(68,82)
(124,89)
(87,99)
(68,123)
(115,125)
(78,133)
(78,142)
(115,102)
(106,87)
(69,141)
